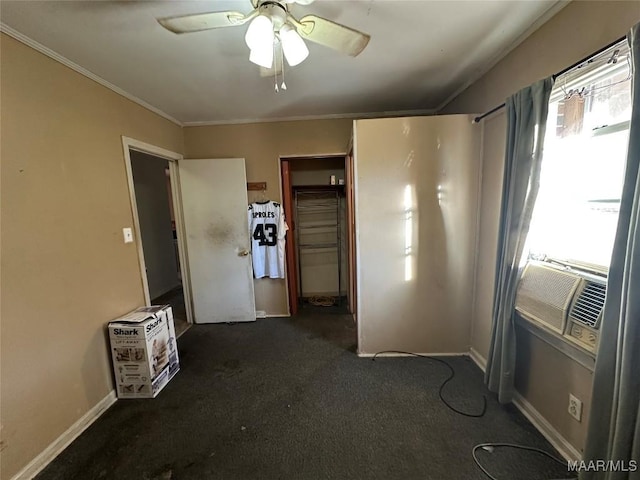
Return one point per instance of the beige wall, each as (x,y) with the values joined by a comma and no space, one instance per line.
(416,205)
(261,145)
(494,133)
(544,377)
(65,269)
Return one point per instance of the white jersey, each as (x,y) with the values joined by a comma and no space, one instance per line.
(267,229)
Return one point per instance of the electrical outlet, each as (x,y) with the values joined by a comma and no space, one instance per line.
(575,407)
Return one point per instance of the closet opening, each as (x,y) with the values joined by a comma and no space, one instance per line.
(318,254)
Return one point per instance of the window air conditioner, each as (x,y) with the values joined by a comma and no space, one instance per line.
(562,300)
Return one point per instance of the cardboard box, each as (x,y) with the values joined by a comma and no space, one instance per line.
(144,351)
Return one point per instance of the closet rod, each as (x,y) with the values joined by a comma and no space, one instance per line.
(319,209)
(330,190)
(556,75)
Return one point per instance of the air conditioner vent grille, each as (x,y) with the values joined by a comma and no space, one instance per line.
(588,308)
(544,294)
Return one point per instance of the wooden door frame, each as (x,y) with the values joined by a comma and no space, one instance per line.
(173,158)
(290,249)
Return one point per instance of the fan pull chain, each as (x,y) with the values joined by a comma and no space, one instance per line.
(275,67)
(284,85)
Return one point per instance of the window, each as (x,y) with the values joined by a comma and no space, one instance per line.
(576,211)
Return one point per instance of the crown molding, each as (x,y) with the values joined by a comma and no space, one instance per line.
(4,28)
(348,116)
(541,20)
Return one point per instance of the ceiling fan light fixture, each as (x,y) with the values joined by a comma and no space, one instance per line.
(262,56)
(273,33)
(293,46)
(260,33)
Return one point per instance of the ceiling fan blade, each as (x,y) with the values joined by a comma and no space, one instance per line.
(204,21)
(255,3)
(332,35)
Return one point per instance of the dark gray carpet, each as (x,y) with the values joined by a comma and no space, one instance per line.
(289,399)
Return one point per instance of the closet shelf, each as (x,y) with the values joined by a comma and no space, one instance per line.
(319,245)
(313,227)
(327,209)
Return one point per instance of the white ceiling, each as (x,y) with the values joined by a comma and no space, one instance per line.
(420,54)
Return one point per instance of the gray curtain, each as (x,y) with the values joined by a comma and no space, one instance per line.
(526,123)
(614,422)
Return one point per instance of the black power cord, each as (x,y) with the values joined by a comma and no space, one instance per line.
(452,374)
(489,447)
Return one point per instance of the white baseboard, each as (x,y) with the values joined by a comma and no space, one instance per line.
(262,314)
(393,354)
(554,437)
(57,446)
(478,359)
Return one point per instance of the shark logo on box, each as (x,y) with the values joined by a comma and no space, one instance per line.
(153,325)
(125,331)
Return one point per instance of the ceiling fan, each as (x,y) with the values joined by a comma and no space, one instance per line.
(274,31)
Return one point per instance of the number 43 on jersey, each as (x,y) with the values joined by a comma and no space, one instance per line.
(266,234)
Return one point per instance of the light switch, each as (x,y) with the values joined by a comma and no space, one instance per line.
(127,233)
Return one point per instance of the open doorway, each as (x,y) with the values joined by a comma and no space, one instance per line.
(157,222)
(318,255)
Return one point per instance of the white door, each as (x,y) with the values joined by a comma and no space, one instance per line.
(214,202)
